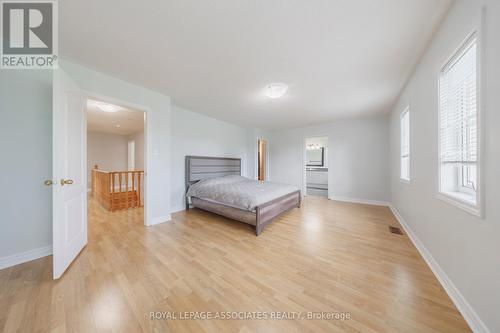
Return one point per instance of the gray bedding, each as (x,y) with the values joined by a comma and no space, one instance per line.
(238,191)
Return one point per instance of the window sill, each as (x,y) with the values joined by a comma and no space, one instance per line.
(462,201)
(404,180)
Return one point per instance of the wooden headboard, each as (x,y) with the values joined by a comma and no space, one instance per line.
(203,167)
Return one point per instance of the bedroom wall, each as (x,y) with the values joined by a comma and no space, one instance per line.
(465,247)
(26,161)
(109,151)
(358,157)
(197,134)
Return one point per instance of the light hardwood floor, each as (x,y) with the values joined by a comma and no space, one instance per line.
(324,257)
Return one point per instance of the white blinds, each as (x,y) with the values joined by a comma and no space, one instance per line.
(458,109)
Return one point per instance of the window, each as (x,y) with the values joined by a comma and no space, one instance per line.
(405,145)
(458,128)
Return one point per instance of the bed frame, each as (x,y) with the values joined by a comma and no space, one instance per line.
(202,167)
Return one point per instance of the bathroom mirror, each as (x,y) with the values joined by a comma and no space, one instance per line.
(315,157)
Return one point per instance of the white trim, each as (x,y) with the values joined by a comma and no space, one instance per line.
(402,180)
(456,201)
(20,258)
(477,33)
(359,201)
(472,318)
(177,209)
(159,219)
(147,139)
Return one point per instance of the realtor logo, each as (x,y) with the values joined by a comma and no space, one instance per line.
(29,37)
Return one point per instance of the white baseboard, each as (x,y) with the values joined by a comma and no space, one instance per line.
(159,219)
(26,256)
(472,318)
(177,209)
(359,201)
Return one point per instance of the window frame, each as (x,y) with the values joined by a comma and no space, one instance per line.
(458,199)
(406,110)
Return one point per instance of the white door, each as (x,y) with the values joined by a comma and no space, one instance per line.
(69,225)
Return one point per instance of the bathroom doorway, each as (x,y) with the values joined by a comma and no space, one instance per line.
(316,166)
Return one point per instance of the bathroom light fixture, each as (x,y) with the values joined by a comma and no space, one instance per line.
(313,146)
(275,90)
(107,107)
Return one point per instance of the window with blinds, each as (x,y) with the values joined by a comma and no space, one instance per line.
(458,132)
(405,145)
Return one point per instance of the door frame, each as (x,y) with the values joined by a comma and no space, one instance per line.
(304,162)
(147,140)
(266,169)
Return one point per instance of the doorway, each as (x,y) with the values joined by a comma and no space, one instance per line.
(262,156)
(315,169)
(70,181)
(115,157)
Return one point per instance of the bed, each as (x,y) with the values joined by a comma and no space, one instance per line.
(215,184)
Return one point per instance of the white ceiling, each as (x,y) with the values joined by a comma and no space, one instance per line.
(123,122)
(339,57)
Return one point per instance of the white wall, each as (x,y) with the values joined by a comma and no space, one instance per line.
(26,162)
(358,157)
(139,149)
(466,248)
(196,134)
(108,151)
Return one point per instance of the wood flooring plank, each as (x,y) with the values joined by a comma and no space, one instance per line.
(327,256)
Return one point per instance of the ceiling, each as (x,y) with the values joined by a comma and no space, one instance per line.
(123,122)
(340,58)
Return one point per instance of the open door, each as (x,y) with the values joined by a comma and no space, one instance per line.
(261,157)
(69,225)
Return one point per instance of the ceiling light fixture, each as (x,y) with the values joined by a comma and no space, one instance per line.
(275,90)
(107,107)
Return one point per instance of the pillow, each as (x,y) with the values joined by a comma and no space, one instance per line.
(229,179)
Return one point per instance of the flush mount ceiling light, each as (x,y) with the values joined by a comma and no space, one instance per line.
(275,90)
(107,107)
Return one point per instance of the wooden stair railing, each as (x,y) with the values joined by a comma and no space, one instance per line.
(116,190)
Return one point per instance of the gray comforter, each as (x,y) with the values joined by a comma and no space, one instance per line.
(239,192)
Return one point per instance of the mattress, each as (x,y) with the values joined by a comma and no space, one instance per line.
(238,192)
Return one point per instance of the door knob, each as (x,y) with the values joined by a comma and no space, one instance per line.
(66,182)
(49,182)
